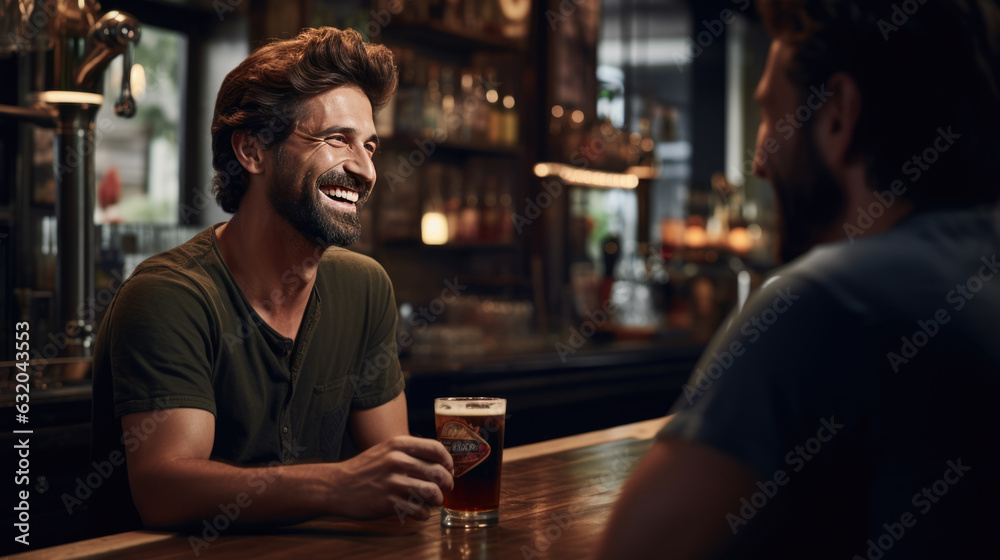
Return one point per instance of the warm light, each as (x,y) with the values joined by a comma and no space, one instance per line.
(80,97)
(642,171)
(586,177)
(695,236)
(635,138)
(492,96)
(754,231)
(508,101)
(434,228)
(577,116)
(557,111)
(672,231)
(466,81)
(739,240)
(647,145)
(138,81)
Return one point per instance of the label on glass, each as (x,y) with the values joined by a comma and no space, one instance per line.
(466,446)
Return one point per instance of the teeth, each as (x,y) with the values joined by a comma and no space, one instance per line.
(337,192)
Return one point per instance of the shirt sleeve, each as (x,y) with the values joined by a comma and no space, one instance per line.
(781,374)
(382,377)
(160,346)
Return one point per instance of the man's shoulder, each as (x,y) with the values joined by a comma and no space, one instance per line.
(345,264)
(916,260)
(188,267)
(339,256)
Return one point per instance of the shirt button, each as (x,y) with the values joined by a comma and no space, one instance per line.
(284,429)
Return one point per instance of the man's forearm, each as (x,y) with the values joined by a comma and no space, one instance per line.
(188,490)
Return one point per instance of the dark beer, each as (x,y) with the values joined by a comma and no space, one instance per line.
(472,431)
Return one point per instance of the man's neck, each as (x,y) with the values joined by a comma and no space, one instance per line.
(867,211)
(273,265)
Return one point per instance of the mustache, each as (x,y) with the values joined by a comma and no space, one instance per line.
(338,177)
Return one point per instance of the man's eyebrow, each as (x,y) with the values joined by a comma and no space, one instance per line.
(337,129)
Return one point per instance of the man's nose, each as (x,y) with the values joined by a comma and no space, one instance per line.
(361,166)
(759,169)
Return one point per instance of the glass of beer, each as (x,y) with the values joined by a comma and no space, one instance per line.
(471,429)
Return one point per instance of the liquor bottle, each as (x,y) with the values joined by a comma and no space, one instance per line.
(451,119)
(494,109)
(432,113)
(506,218)
(433,222)
(453,204)
(489,224)
(465,106)
(468,226)
(509,122)
(408,98)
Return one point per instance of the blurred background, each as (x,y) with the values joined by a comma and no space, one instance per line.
(565,201)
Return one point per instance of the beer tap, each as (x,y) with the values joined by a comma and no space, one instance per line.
(115,33)
(67,98)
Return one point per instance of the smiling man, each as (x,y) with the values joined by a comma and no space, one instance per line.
(848,410)
(251,373)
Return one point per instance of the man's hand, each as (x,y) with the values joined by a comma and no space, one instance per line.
(174,481)
(402,474)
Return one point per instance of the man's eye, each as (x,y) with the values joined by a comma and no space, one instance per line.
(372,148)
(336,138)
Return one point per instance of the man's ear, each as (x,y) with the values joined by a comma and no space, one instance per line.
(837,119)
(248,151)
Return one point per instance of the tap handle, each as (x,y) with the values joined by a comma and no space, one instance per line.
(125,106)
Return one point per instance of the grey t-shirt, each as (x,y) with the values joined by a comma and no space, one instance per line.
(859,386)
(180,333)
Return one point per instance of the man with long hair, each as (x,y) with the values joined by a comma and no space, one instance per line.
(252,372)
(848,410)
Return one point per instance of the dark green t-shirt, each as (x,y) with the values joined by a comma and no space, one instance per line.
(180,333)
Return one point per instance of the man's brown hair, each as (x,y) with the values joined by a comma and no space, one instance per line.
(265,93)
(926,69)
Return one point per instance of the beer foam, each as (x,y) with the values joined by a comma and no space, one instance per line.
(471,408)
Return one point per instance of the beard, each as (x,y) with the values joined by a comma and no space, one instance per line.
(307,213)
(809,200)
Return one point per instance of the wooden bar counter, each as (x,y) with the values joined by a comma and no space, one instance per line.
(556,497)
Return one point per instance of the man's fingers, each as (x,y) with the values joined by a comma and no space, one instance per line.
(419,469)
(426,449)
